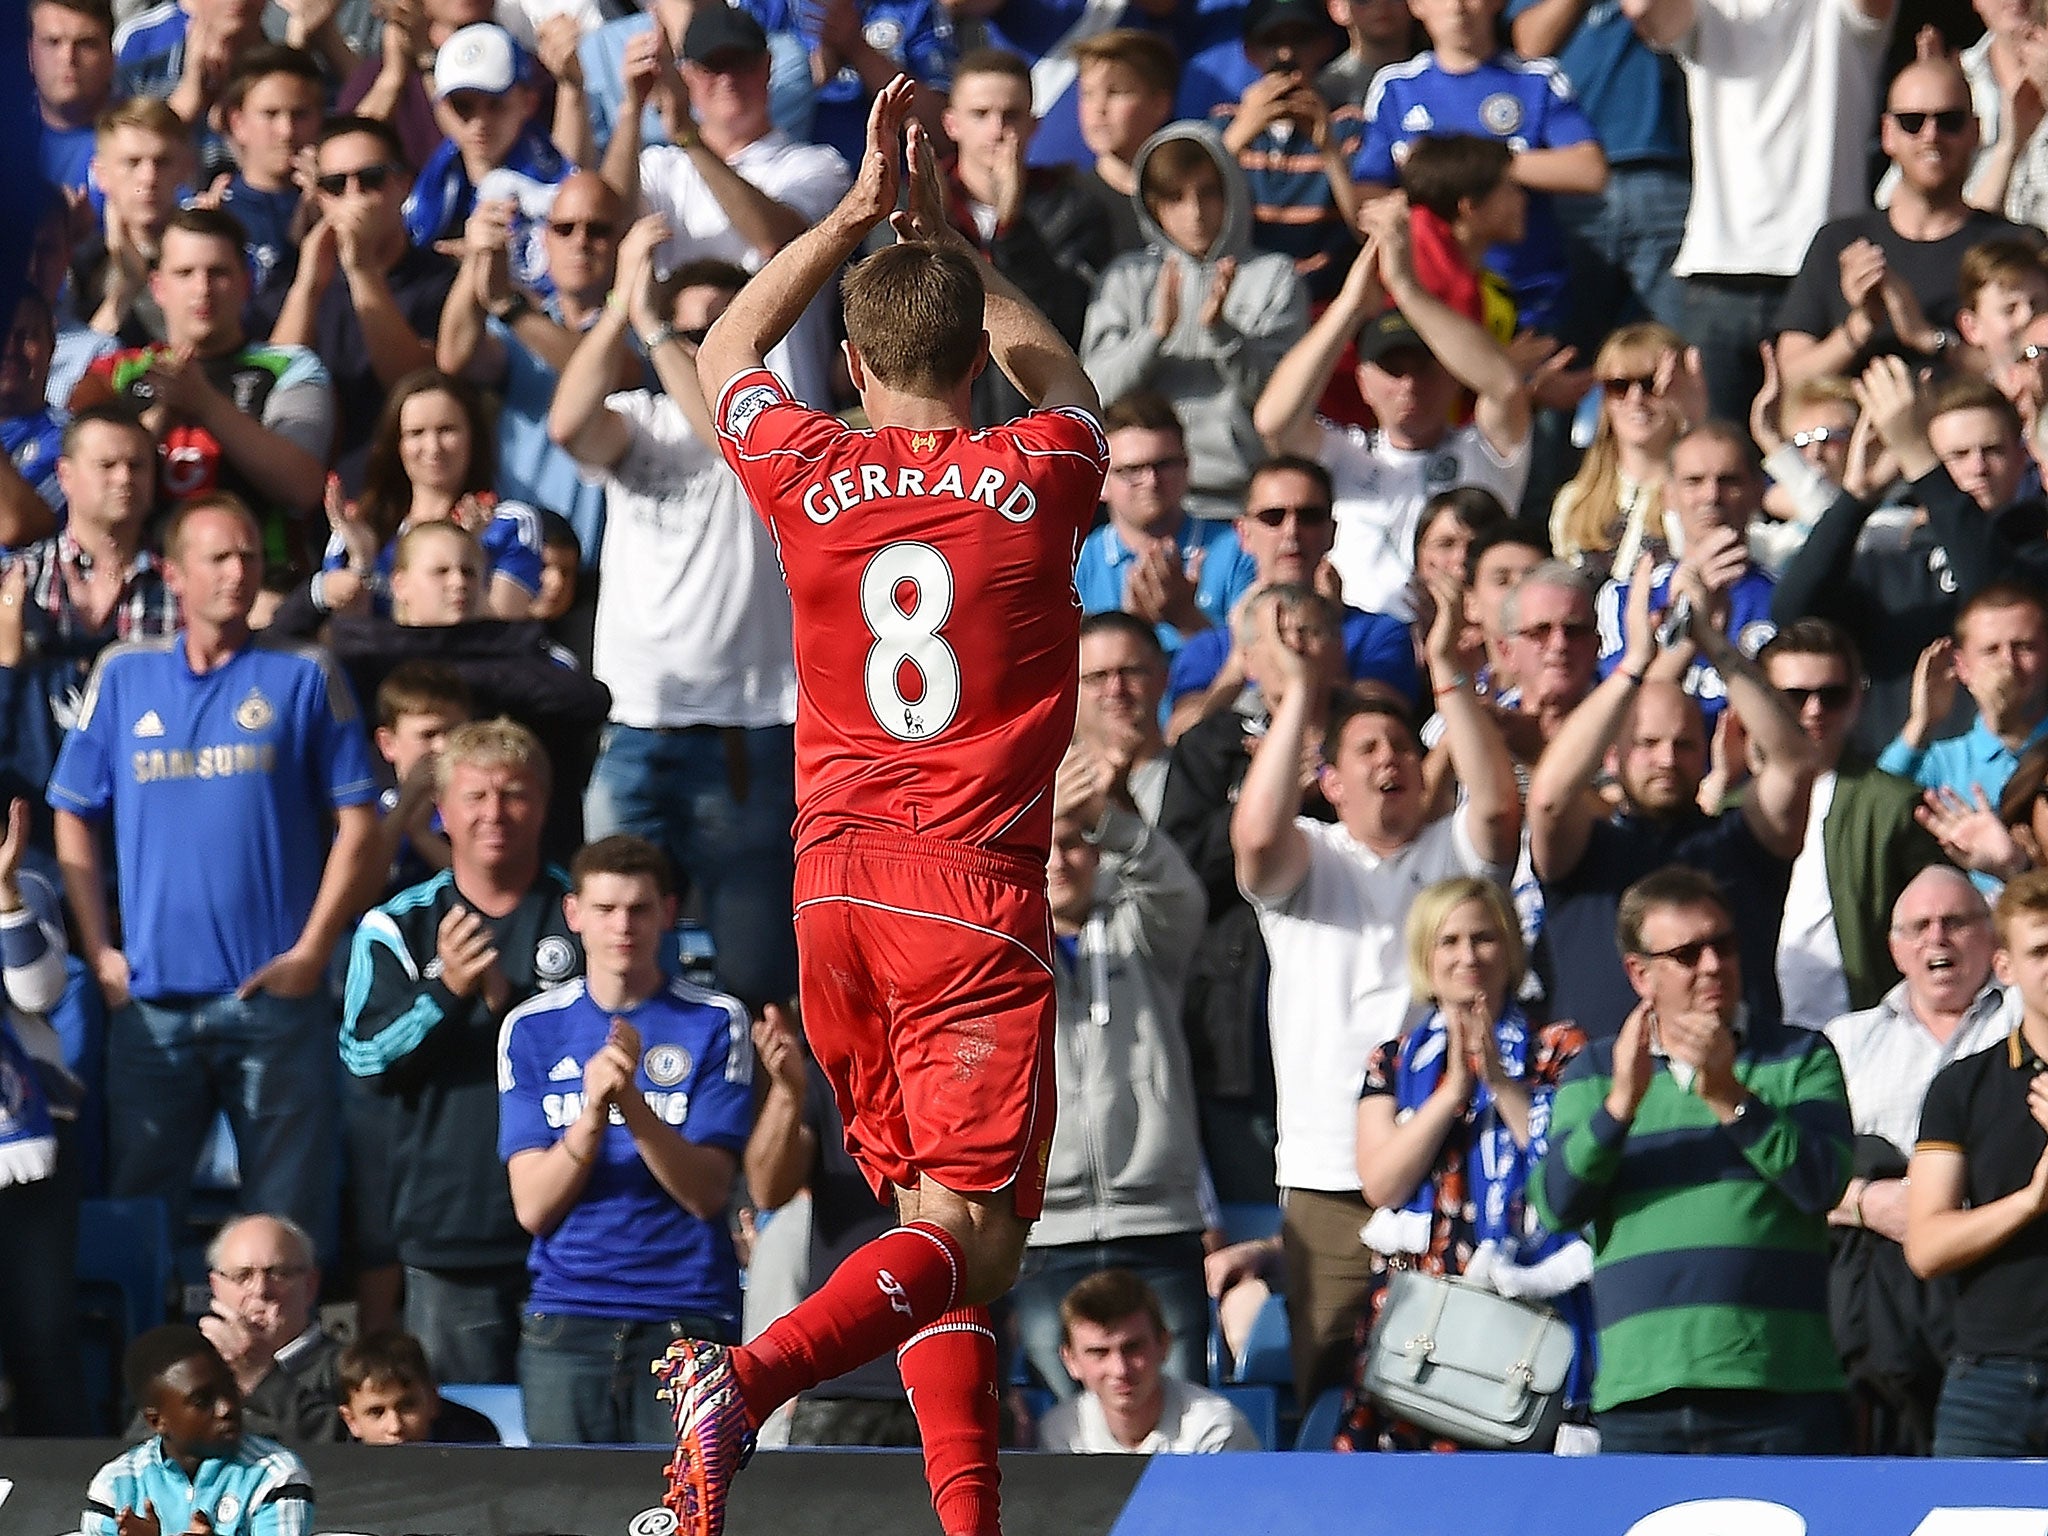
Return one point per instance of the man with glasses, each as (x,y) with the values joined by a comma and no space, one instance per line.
(1180,573)
(1650,736)
(1287,529)
(361,295)
(1946,1007)
(1116,717)
(1861,845)
(263,1322)
(516,341)
(1703,1148)
(693,621)
(1885,280)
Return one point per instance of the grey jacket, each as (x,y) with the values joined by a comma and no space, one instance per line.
(1126,1159)
(1213,375)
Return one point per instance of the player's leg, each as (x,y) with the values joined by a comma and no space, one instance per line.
(951,1369)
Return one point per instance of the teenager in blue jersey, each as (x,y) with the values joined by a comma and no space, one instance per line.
(1464,84)
(71,57)
(220,760)
(625,1100)
(1715,488)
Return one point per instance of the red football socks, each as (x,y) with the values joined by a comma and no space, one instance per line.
(906,1278)
(949,1370)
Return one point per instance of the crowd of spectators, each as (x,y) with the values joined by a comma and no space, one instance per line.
(1562,733)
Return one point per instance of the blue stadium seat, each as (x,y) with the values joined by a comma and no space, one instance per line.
(502,1403)
(124,1288)
(1319,1424)
(1261,1405)
(1267,1357)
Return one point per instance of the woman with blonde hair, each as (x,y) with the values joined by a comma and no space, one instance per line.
(1652,392)
(1452,1120)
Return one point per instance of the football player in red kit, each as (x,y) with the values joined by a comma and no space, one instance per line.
(930,569)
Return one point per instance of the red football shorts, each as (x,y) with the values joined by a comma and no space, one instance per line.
(925,976)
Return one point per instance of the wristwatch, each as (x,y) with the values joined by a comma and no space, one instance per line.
(509,312)
(660,335)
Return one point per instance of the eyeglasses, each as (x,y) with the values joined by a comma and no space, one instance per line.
(1830,696)
(276,1274)
(595,229)
(1724,945)
(1814,436)
(1307,517)
(1618,388)
(370,178)
(1160,467)
(1949,120)
(1541,634)
(1948,922)
(1130,677)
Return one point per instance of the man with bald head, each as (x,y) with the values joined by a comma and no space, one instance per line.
(517,342)
(265,1285)
(1946,1007)
(1649,735)
(1884,280)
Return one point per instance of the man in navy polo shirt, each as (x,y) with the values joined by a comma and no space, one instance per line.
(220,761)
(624,1103)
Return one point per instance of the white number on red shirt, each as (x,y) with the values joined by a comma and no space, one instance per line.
(908,632)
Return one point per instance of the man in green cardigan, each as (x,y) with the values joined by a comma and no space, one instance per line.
(1862,844)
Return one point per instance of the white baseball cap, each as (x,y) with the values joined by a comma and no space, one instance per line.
(480,57)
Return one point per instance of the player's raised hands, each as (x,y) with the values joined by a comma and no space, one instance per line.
(872,197)
(923,218)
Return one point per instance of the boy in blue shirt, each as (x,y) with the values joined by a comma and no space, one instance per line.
(198,1473)
(1464,85)
(625,1099)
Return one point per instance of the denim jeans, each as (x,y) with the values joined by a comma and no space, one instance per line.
(39,1299)
(270,1062)
(1171,1265)
(676,789)
(1710,1423)
(1726,318)
(590,1380)
(467,1320)
(1622,243)
(1993,1405)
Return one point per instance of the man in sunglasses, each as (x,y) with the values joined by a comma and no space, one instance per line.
(1885,280)
(516,342)
(361,295)
(1703,1148)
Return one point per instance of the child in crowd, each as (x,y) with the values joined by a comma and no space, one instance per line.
(2000,288)
(1198,316)
(417,706)
(197,1472)
(1463,200)
(437,576)
(388,1397)
(1126,96)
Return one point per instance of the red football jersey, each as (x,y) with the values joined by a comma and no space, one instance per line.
(937,632)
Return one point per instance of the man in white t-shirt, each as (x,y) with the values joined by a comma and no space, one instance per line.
(693,625)
(1113,1342)
(1412,361)
(1782,95)
(732,185)
(1333,903)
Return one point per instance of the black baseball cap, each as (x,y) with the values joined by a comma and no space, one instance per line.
(717,29)
(1385,333)
(1309,16)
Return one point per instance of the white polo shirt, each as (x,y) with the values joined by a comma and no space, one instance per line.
(1889,1058)
(1193,1419)
(1339,986)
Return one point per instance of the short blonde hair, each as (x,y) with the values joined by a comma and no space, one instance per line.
(2026,896)
(499,743)
(1433,908)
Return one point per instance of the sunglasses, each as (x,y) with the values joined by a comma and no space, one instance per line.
(1815,436)
(1724,945)
(1149,467)
(1618,388)
(1541,633)
(1949,120)
(1832,696)
(595,229)
(1307,517)
(371,178)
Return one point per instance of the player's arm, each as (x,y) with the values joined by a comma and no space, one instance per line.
(762,313)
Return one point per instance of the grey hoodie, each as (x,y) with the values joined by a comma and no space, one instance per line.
(1212,375)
